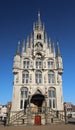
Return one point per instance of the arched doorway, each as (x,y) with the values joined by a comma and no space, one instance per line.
(38,101)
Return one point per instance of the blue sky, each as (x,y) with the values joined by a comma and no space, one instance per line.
(16,22)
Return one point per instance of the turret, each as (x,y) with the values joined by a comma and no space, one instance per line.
(18,49)
(59,60)
(27,44)
(46,39)
(17,59)
(49,44)
(31,40)
(53,49)
(23,47)
(58,50)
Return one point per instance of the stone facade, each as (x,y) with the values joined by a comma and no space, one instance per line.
(37,72)
(3,112)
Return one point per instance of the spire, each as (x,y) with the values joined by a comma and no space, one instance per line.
(58,50)
(39,20)
(27,43)
(50,44)
(18,49)
(23,46)
(45,37)
(31,40)
(38,24)
(33,25)
(53,48)
(43,26)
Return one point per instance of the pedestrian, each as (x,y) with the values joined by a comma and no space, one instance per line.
(5,120)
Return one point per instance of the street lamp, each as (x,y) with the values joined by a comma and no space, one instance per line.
(65,112)
(8,113)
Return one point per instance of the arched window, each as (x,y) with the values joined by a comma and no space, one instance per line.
(25,77)
(38,77)
(26,63)
(38,63)
(51,77)
(24,92)
(50,64)
(52,97)
(24,97)
(39,36)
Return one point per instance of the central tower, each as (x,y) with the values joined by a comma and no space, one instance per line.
(37,72)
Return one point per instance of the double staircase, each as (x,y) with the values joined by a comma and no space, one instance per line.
(29,117)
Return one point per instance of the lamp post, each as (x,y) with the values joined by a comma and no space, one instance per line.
(8,113)
(65,112)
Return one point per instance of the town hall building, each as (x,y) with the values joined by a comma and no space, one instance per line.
(37,73)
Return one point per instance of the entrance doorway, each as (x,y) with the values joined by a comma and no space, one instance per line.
(38,101)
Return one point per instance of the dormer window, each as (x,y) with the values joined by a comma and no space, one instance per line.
(39,36)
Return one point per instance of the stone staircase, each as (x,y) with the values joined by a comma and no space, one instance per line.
(1,123)
(28,117)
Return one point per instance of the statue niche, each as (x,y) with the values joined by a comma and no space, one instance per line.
(39,46)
